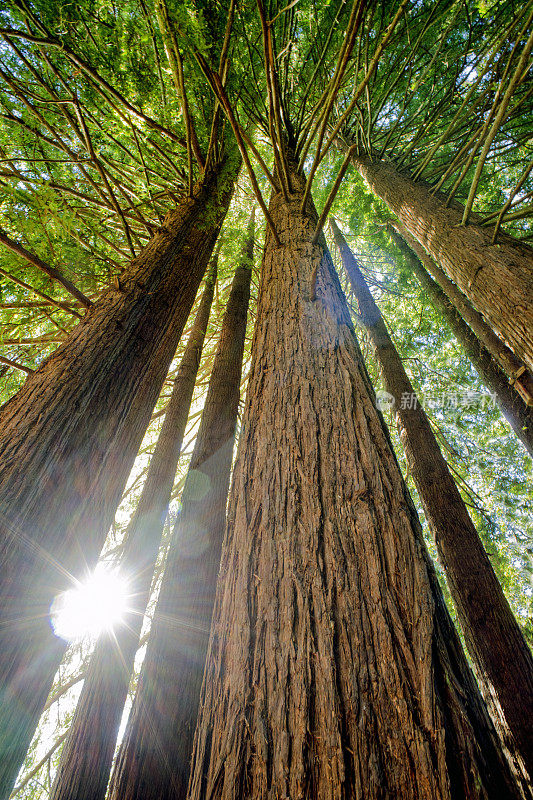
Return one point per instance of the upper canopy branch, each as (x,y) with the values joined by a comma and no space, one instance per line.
(217,87)
(52,272)
(176,65)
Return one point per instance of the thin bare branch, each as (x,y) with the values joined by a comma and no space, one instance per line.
(176,67)
(58,303)
(52,272)
(510,199)
(216,85)
(518,76)
(15,364)
(27,778)
(331,197)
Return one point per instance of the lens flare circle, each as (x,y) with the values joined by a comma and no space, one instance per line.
(91,607)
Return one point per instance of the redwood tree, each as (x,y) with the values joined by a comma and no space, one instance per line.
(493,637)
(154,757)
(69,438)
(496,277)
(87,754)
(333,668)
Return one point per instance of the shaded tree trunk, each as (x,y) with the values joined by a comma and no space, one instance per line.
(496,278)
(333,668)
(68,440)
(512,366)
(516,412)
(493,636)
(153,761)
(87,754)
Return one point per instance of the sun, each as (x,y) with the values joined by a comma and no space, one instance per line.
(91,607)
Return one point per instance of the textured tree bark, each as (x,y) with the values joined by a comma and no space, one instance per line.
(154,758)
(492,634)
(496,278)
(87,754)
(333,668)
(68,440)
(516,412)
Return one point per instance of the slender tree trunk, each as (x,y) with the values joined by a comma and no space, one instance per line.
(333,668)
(496,278)
(493,636)
(154,759)
(516,412)
(519,376)
(68,439)
(87,754)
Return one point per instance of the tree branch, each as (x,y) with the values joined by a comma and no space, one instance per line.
(52,272)
(15,364)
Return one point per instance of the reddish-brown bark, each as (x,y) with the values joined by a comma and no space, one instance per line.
(68,439)
(496,278)
(493,637)
(333,669)
(153,761)
(87,754)
(516,412)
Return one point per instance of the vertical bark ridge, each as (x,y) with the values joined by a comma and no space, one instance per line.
(68,440)
(496,278)
(154,757)
(516,412)
(87,754)
(333,670)
(492,634)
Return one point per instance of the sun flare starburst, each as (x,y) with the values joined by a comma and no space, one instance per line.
(91,606)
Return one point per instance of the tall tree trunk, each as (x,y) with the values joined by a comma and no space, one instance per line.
(333,668)
(68,439)
(496,278)
(519,376)
(493,636)
(516,412)
(87,754)
(154,759)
